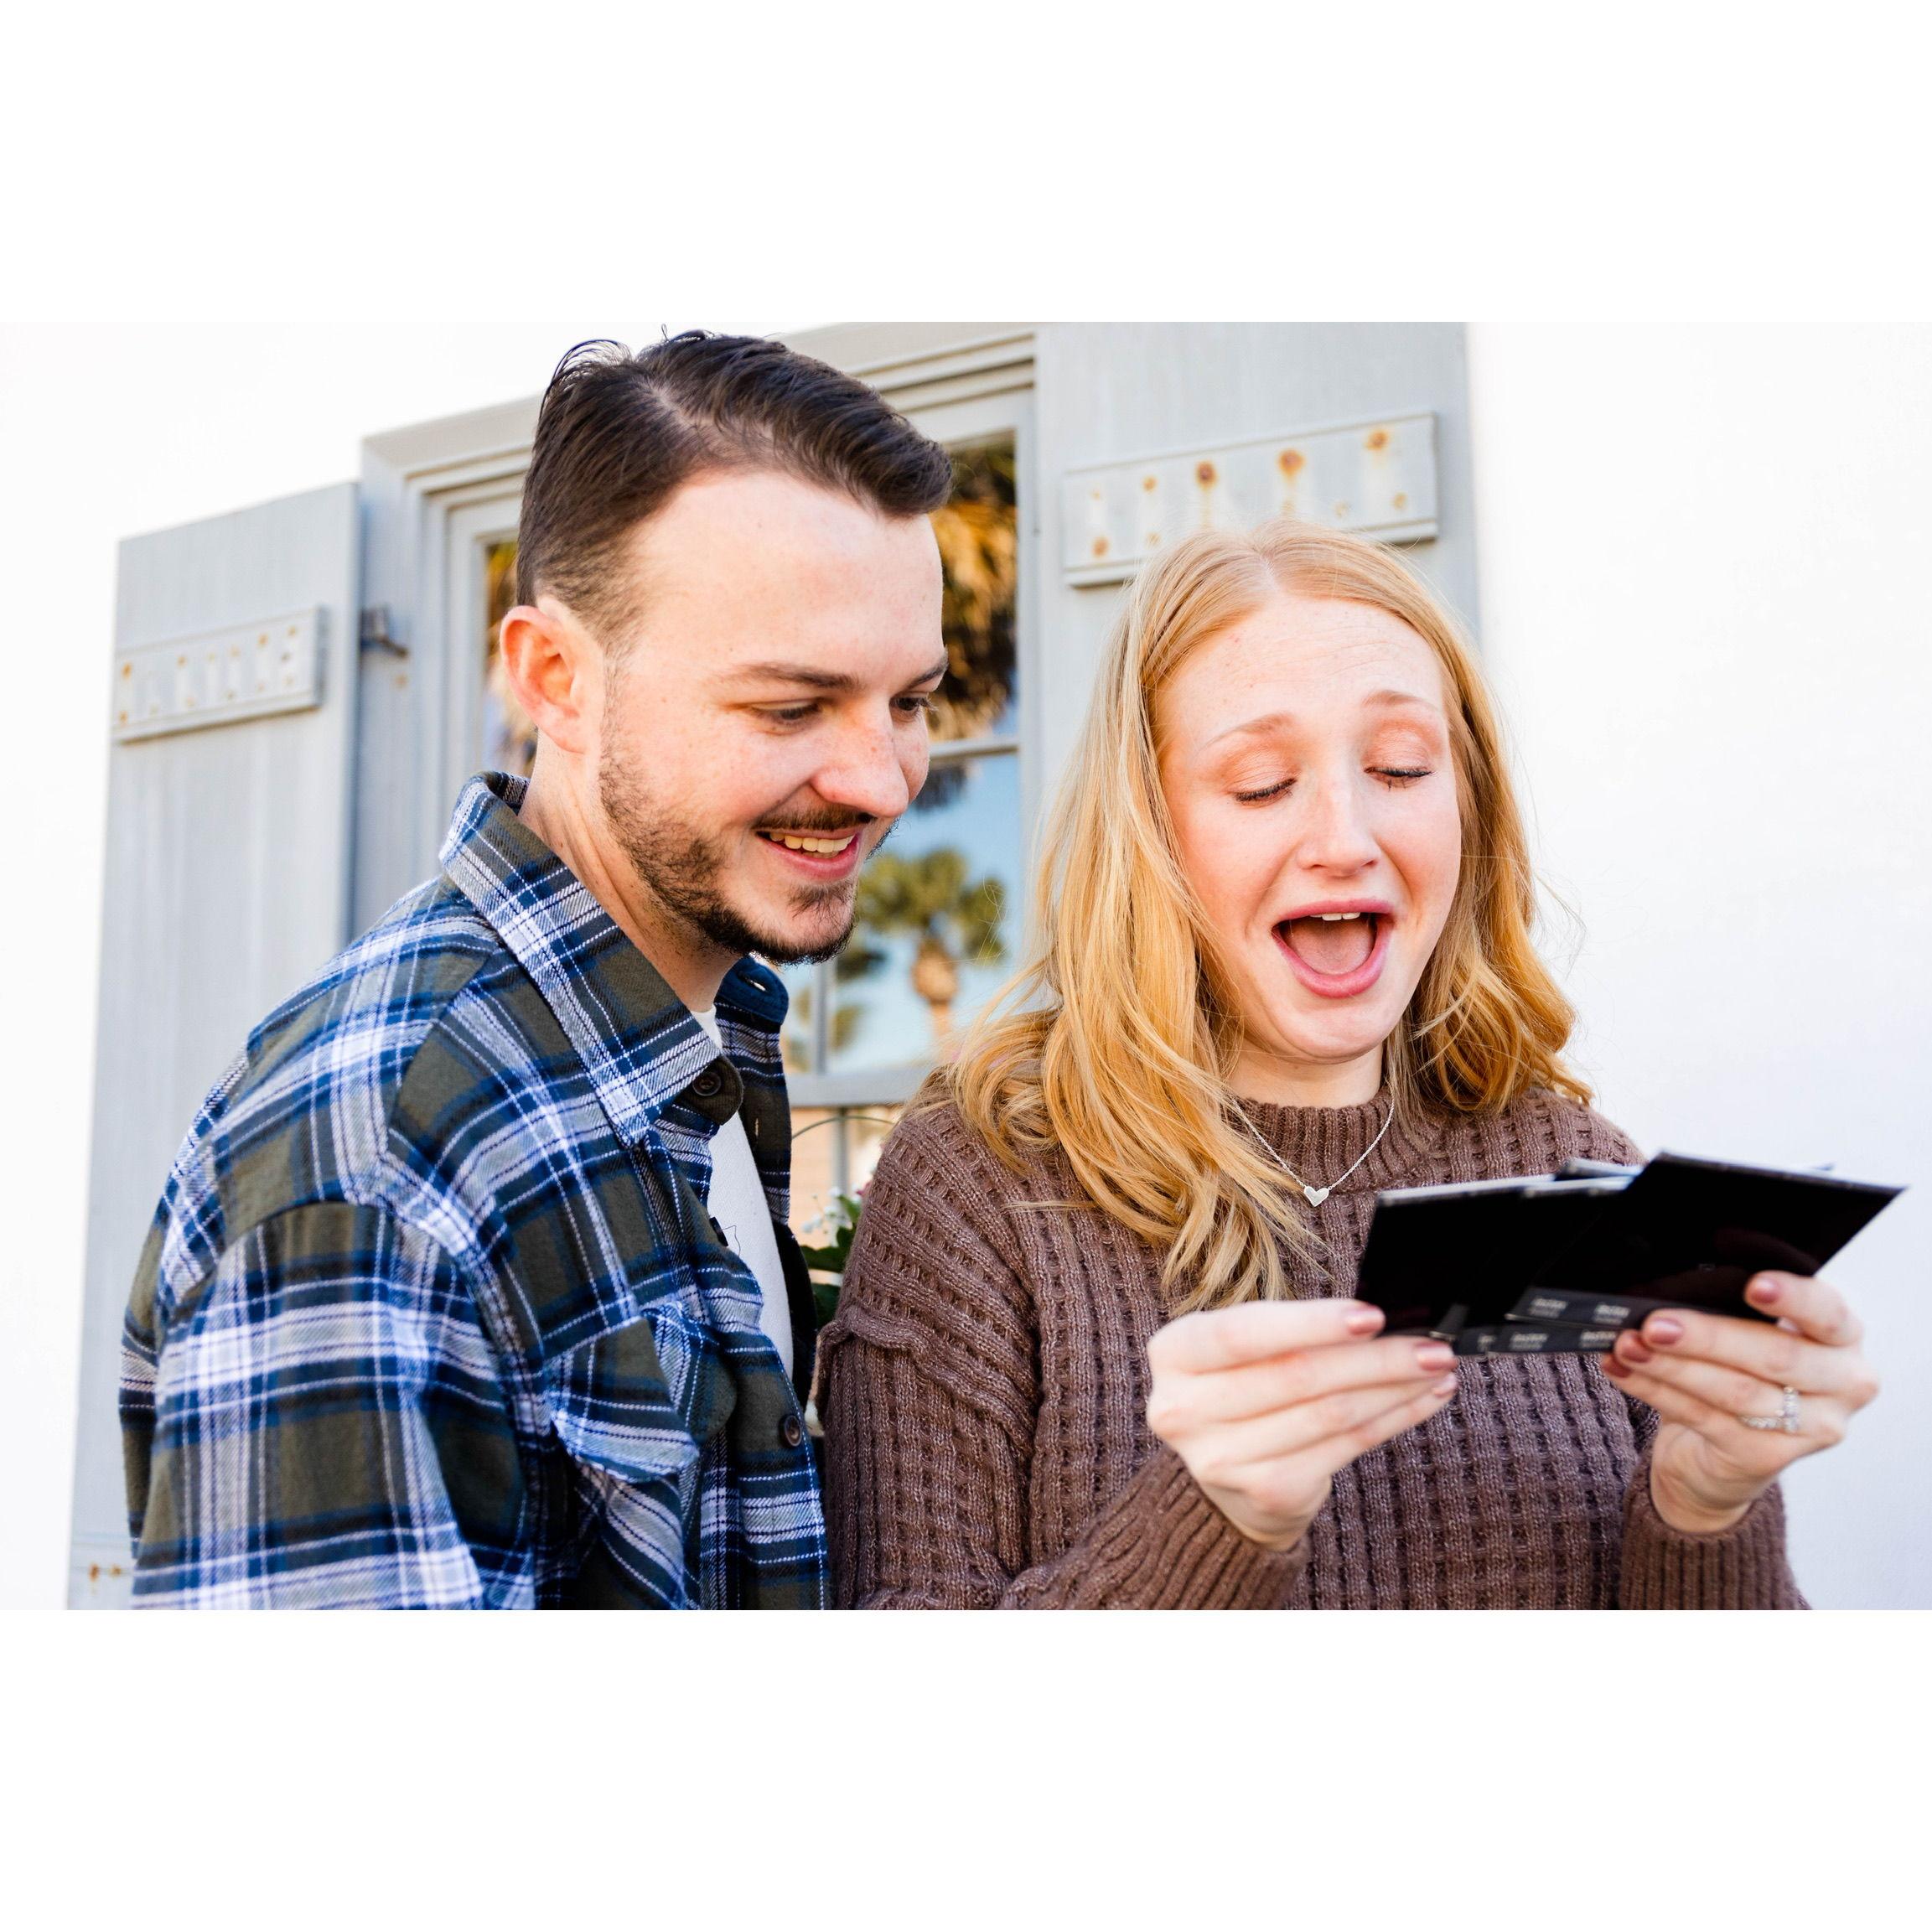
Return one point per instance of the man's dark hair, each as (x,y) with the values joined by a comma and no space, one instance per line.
(618,434)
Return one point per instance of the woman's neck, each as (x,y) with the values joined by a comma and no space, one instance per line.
(1260,1076)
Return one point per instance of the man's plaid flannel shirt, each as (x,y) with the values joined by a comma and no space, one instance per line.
(431,1312)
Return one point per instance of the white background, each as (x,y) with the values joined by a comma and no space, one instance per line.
(1704,609)
(234,242)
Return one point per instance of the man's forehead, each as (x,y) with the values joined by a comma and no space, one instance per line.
(752,513)
(761,578)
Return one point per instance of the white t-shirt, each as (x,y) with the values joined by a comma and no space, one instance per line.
(738,1206)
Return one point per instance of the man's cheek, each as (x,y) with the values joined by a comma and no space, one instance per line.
(916,764)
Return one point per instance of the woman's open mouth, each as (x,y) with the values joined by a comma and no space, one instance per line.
(1337,952)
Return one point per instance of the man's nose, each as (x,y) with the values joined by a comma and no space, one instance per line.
(864,773)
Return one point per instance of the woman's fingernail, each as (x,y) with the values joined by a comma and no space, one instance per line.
(1447,1387)
(1365,1321)
(1435,1355)
(1663,1329)
(1615,1366)
(1763,1290)
(1633,1351)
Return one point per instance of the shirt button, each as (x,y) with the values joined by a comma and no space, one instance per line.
(792,1431)
(708,1084)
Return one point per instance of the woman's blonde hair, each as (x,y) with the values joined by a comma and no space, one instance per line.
(1113,1043)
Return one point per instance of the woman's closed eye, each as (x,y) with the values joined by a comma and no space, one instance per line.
(1266,792)
(1393,776)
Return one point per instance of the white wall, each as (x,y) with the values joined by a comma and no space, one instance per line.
(1704,607)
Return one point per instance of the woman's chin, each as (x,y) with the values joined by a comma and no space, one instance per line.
(1295,1048)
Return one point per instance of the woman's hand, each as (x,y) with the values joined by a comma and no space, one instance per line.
(1265,1401)
(1702,1372)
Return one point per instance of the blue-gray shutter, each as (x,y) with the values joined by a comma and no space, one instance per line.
(226,879)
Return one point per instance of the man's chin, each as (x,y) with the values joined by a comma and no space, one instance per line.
(804,938)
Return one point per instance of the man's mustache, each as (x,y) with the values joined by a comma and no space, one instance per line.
(820,822)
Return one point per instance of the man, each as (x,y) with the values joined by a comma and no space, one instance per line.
(471,1284)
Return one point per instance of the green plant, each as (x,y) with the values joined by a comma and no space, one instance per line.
(827,1259)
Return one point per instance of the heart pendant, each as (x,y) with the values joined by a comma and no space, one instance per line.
(1316,1195)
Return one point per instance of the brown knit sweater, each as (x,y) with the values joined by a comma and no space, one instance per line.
(986,1385)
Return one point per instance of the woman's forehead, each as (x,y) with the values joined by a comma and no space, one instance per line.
(1305,654)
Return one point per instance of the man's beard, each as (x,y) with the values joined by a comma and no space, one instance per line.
(681,867)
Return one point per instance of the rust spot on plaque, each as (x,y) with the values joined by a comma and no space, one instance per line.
(1291,460)
(1203,474)
(1147,483)
(1100,546)
(1400,500)
(1378,439)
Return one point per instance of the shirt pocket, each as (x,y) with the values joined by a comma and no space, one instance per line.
(640,1401)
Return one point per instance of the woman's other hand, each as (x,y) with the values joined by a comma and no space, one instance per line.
(1703,1373)
(1265,1401)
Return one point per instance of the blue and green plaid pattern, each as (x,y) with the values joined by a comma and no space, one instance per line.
(431,1312)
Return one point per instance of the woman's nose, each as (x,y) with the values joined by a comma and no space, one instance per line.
(1336,836)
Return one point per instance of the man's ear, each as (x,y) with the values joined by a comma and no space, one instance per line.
(556,669)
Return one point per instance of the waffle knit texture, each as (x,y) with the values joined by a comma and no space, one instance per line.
(986,1388)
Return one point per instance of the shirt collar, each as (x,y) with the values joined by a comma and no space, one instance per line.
(636,1039)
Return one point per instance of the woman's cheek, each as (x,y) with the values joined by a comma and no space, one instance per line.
(1216,854)
(1449,832)
(1427,845)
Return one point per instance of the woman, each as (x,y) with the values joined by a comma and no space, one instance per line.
(1096,1344)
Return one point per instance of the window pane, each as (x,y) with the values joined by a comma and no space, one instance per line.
(866,1135)
(508,737)
(978,533)
(815,1133)
(938,916)
(832,1150)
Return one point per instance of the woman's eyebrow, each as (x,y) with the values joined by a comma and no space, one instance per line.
(1251,728)
(1379,701)
(1403,701)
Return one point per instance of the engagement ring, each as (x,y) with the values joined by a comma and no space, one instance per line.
(1786,1418)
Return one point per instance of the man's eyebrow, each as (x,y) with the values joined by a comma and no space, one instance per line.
(813,677)
(1381,701)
